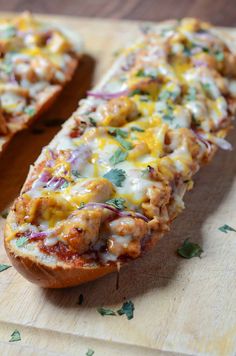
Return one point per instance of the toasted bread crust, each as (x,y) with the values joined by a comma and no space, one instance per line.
(56,276)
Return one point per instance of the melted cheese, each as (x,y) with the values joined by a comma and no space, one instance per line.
(166,108)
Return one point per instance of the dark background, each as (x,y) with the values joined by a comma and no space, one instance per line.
(220,12)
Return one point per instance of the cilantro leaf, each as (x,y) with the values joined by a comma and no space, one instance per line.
(82,204)
(118,156)
(136,128)
(137,92)
(191,94)
(127,309)
(189,250)
(76,174)
(226,228)
(4,267)
(127,145)
(64,185)
(118,203)
(30,110)
(92,122)
(141,73)
(219,56)
(21,241)
(90,352)
(106,311)
(118,132)
(116,176)
(81,299)
(15,336)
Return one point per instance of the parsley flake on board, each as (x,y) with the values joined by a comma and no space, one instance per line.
(21,241)
(15,336)
(226,228)
(189,250)
(136,128)
(4,267)
(118,203)
(118,156)
(127,309)
(106,311)
(116,176)
(90,352)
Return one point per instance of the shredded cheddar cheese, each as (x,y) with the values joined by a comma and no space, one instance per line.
(140,144)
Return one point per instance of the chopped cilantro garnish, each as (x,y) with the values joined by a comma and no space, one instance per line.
(191,94)
(82,204)
(189,250)
(118,203)
(21,241)
(15,336)
(206,86)
(118,132)
(136,92)
(92,122)
(8,32)
(64,185)
(90,352)
(127,309)
(168,117)
(116,176)
(136,128)
(81,299)
(118,156)
(4,267)
(105,311)
(127,145)
(30,110)
(142,73)
(226,228)
(187,51)
(166,94)
(76,174)
(219,56)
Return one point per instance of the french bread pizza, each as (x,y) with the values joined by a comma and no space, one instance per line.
(36,61)
(108,186)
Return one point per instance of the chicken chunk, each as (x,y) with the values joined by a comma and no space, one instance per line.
(119,111)
(80,230)
(125,236)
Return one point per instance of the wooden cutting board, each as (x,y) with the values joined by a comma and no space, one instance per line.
(181,306)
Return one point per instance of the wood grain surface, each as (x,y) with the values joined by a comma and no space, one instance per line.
(181,306)
(221,12)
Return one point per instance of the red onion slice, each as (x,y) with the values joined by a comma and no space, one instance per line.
(107,96)
(116,211)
